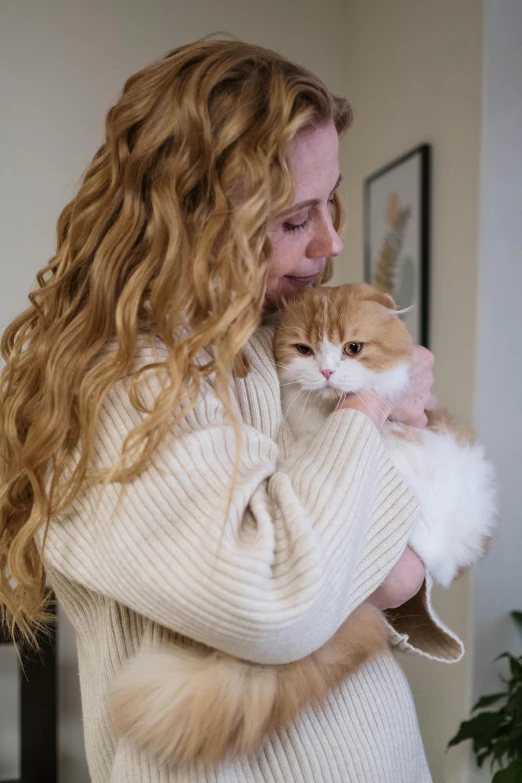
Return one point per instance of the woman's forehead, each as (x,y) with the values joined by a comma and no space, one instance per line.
(313,158)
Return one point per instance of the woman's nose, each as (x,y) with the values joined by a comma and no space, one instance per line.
(326,242)
(337,244)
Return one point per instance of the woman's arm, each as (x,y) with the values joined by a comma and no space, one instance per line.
(269,577)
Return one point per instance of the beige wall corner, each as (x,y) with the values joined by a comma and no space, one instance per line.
(413,75)
(498,584)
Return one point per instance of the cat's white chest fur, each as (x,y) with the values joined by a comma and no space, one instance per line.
(306,417)
(455,487)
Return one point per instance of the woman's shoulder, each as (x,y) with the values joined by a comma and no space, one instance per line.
(150,359)
(260,348)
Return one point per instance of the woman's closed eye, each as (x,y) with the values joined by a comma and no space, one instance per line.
(300,223)
(295,226)
(303,224)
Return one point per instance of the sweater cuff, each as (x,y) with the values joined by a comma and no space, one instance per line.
(415,628)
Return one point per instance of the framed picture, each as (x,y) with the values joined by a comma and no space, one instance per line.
(397,236)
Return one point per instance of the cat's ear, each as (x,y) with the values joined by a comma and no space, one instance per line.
(374,295)
(388,301)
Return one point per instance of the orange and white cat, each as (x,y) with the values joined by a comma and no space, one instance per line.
(195,703)
(337,341)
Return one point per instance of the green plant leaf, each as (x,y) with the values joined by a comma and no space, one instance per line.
(500,750)
(514,663)
(481,727)
(512,774)
(485,701)
(497,736)
(482,756)
(516,668)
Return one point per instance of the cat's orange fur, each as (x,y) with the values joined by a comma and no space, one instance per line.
(182,705)
(201,704)
(350,311)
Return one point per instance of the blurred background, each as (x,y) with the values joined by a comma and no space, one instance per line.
(443,72)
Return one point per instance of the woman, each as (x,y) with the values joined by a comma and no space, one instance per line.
(141,423)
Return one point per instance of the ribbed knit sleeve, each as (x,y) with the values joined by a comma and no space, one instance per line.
(415,628)
(266,569)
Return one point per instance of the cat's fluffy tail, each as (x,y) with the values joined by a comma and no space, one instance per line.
(181,705)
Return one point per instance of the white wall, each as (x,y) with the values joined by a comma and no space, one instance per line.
(498,586)
(62,64)
(413,74)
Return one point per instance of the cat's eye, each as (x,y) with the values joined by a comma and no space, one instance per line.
(352,349)
(304,350)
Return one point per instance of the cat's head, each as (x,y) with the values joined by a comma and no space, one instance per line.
(343,340)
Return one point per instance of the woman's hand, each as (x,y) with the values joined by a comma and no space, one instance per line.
(402,583)
(418,397)
(375,407)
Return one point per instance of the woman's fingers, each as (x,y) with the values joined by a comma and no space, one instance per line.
(418,397)
(432,403)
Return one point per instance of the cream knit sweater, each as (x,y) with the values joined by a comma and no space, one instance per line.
(299,551)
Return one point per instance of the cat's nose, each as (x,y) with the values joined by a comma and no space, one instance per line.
(327,373)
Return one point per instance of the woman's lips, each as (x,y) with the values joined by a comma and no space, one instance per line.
(301,282)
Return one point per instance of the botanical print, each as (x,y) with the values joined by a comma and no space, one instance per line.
(396,225)
(395,272)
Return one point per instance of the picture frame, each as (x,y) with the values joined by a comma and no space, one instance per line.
(397,228)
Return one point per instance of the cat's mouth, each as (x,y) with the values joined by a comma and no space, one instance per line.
(330,392)
(327,391)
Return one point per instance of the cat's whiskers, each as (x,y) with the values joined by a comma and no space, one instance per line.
(364,402)
(382,409)
(382,399)
(396,419)
(385,404)
(286,367)
(342,398)
(292,404)
(306,401)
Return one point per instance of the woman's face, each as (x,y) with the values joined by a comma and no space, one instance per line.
(303,236)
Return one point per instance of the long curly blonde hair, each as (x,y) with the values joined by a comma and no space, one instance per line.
(169,227)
